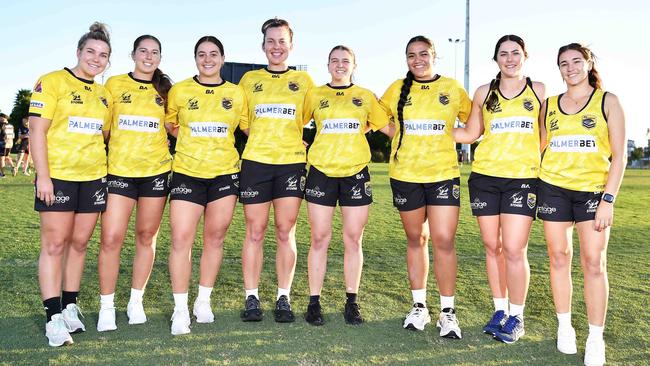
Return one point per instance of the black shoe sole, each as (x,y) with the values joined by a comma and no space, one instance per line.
(411,327)
(284,317)
(354,322)
(316,323)
(251,317)
(451,335)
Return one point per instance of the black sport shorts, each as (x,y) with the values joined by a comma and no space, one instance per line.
(560,204)
(202,190)
(494,195)
(354,190)
(80,197)
(409,196)
(134,188)
(261,182)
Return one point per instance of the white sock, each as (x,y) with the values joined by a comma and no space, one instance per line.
(253,292)
(563,320)
(596,331)
(500,303)
(420,296)
(446,302)
(283,291)
(106,301)
(204,293)
(180,301)
(517,310)
(136,295)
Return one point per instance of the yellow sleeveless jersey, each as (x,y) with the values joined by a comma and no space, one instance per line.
(342,116)
(428,151)
(578,151)
(207,116)
(510,145)
(138,142)
(80,111)
(275,102)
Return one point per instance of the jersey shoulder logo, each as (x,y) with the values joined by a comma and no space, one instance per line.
(258,87)
(226,103)
(324,103)
(192,104)
(588,121)
(357,101)
(293,86)
(528,104)
(443,98)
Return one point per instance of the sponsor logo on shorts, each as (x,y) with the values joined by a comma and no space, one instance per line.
(303,182)
(158,184)
(340,126)
(249,193)
(281,111)
(100,197)
(208,129)
(85,125)
(573,143)
(355,192)
(292,183)
(443,98)
(367,188)
(532,200)
(60,198)
(236,183)
(182,189)
(515,124)
(455,191)
(525,186)
(477,204)
(360,176)
(399,200)
(314,192)
(118,183)
(516,200)
(138,123)
(36,104)
(234,176)
(546,209)
(591,205)
(424,127)
(221,189)
(443,192)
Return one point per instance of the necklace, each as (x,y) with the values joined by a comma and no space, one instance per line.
(580,100)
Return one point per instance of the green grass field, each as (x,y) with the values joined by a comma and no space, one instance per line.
(384,298)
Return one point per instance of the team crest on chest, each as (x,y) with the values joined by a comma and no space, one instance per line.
(588,121)
(357,101)
(76,98)
(159,100)
(443,98)
(258,87)
(408,102)
(125,97)
(324,103)
(553,125)
(528,104)
(293,86)
(192,104)
(226,103)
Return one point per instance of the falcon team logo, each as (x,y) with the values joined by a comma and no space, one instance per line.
(38,88)
(588,121)
(158,184)
(324,103)
(532,200)
(355,192)
(528,104)
(443,98)
(226,103)
(357,101)
(104,101)
(293,86)
(258,87)
(192,104)
(159,100)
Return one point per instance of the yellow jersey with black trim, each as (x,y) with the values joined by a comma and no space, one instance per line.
(428,150)
(79,111)
(275,102)
(207,116)
(342,116)
(138,143)
(510,145)
(578,150)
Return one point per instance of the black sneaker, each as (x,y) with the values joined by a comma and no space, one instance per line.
(352,314)
(252,311)
(314,315)
(283,313)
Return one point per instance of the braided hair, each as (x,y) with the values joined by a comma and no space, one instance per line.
(492,100)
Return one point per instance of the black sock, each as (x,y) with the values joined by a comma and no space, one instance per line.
(52,306)
(313,299)
(352,298)
(69,297)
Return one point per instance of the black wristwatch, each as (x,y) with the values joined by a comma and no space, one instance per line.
(609,198)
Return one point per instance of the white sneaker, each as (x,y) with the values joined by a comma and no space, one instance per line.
(135,312)
(203,312)
(106,319)
(71,318)
(180,322)
(56,332)
(448,324)
(595,352)
(566,340)
(417,318)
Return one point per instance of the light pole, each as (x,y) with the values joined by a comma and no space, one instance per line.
(455,43)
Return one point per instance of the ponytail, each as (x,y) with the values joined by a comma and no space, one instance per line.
(403,97)
(492,101)
(162,83)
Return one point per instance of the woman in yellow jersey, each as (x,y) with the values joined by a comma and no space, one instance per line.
(203,113)
(273,167)
(338,159)
(581,173)
(503,182)
(138,170)
(69,113)
(425,178)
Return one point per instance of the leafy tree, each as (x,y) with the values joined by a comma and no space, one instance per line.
(21,107)
(636,154)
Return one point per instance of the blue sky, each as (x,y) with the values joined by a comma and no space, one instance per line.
(40,36)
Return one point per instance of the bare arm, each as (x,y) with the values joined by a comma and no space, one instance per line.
(171,129)
(38,147)
(542,126)
(474,127)
(388,130)
(616,126)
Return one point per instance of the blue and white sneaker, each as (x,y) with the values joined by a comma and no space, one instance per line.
(494,325)
(511,330)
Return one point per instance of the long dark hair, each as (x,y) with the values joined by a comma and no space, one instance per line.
(594,77)
(493,99)
(160,81)
(406,90)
